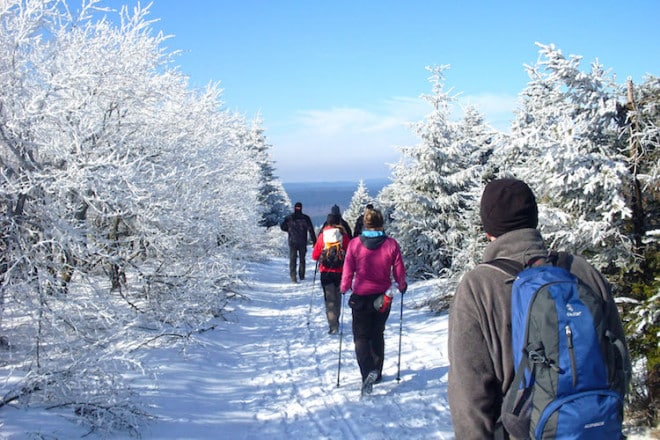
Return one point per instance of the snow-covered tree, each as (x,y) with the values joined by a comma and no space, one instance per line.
(566,145)
(641,129)
(475,139)
(432,187)
(386,199)
(273,200)
(356,206)
(124,199)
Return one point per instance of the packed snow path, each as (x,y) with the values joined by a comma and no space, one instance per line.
(271,372)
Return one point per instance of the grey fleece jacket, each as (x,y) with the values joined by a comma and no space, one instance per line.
(480,353)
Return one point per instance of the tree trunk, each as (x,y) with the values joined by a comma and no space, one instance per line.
(635,152)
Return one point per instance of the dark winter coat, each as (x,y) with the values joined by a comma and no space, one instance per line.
(480,353)
(359,225)
(298,225)
(344,224)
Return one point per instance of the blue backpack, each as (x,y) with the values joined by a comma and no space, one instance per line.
(570,376)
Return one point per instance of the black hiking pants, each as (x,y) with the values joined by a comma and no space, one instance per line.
(368,334)
(297,255)
(332,296)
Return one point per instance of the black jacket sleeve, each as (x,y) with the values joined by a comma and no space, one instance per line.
(285,224)
(310,228)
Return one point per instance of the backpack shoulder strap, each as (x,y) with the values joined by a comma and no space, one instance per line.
(512,267)
(509,267)
(564,260)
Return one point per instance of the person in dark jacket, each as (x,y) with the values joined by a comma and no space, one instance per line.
(359,223)
(298,226)
(336,211)
(479,333)
(371,262)
(331,276)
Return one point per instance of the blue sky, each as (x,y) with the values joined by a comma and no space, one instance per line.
(335,82)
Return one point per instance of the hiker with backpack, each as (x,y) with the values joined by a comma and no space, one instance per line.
(371,261)
(336,211)
(298,226)
(569,371)
(329,251)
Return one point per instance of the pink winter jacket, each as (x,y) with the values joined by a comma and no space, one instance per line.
(370,264)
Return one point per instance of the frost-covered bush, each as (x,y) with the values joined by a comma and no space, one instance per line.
(128,204)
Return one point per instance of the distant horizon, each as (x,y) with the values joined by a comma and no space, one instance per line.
(337,182)
(319,197)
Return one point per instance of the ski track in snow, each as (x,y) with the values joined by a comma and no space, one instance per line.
(272,373)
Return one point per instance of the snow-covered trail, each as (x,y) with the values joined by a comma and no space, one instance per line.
(272,373)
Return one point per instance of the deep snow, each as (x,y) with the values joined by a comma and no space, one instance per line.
(271,372)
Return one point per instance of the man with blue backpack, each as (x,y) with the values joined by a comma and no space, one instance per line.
(536,345)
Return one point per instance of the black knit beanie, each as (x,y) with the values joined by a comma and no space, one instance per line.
(507,205)
(332,219)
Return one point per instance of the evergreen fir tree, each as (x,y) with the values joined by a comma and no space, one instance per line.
(272,198)
(476,140)
(431,188)
(567,147)
(358,202)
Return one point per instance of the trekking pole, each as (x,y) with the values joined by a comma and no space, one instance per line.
(398,368)
(311,295)
(341,336)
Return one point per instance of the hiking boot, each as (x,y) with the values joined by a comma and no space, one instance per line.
(368,385)
(294,280)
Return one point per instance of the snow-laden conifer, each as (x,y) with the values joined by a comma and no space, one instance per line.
(566,145)
(477,141)
(273,201)
(358,201)
(432,186)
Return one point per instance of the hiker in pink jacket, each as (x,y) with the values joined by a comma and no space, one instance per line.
(372,259)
